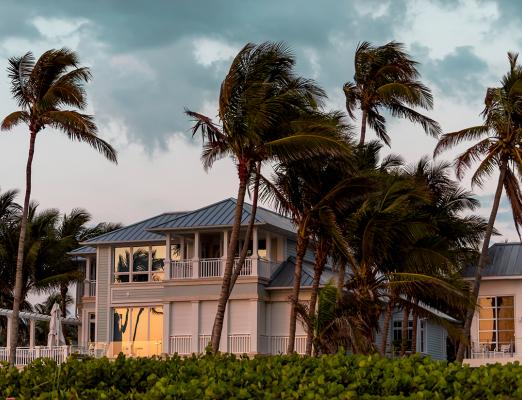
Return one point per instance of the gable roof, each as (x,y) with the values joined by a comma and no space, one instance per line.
(505,259)
(222,214)
(134,233)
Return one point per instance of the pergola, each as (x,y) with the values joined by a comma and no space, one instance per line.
(32,317)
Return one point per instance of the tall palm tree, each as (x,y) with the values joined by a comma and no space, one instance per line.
(265,113)
(43,90)
(498,149)
(387,78)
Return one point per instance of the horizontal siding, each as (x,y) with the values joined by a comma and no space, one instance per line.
(436,341)
(102,294)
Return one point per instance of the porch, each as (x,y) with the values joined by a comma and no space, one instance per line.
(203,254)
(490,353)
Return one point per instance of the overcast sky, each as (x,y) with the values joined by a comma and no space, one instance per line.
(152,59)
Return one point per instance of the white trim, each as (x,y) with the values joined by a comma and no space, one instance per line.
(495,278)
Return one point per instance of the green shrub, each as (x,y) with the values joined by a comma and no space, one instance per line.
(272,377)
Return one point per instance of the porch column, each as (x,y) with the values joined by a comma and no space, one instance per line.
(225,245)
(195,327)
(86,289)
(32,331)
(166,328)
(182,248)
(166,267)
(223,343)
(255,255)
(195,261)
(254,325)
(268,246)
(9,327)
(255,242)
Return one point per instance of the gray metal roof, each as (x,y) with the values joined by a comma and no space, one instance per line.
(84,250)
(222,214)
(505,259)
(284,277)
(136,232)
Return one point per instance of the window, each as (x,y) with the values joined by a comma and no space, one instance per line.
(138,331)
(496,321)
(397,335)
(92,327)
(140,264)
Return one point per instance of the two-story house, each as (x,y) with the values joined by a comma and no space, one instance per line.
(152,287)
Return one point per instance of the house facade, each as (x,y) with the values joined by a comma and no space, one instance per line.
(152,287)
(496,331)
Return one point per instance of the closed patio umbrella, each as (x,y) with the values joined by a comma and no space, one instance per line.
(55,337)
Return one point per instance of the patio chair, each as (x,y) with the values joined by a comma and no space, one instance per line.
(478,350)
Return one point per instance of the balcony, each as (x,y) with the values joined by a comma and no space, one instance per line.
(89,288)
(491,353)
(214,268)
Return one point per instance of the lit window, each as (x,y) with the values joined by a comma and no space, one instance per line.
(145,265)
(496,325)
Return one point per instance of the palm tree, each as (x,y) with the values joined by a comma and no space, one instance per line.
(64,270)
(42,90)
(387,78)
(498,149)
(265,113)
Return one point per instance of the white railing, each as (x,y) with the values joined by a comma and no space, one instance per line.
(89,289)
(279,344)
(214,268)
(210,267)
(181,344)
(203,342)
(25,355)
(493,350)
(181,269)
(247,269)
(239,344)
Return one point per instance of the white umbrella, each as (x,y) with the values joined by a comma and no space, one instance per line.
(55,337)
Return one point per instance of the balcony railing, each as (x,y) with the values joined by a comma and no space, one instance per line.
(25,355)
(215,267)
(89,289)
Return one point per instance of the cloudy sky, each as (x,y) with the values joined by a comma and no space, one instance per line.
(152,59)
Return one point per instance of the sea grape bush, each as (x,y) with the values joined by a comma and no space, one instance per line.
(272,377)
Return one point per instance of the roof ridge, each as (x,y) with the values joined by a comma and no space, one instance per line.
(86,242)
(193,212)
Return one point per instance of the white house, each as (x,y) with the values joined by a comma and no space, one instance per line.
(496,331)
(152,287)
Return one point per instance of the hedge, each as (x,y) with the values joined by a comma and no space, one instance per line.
(271,377)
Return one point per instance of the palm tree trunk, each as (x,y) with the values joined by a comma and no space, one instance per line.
(321,252)
(414,328)
(302,244)
(386,325)
(229,265)
(404,333)
(341,276)
(482,262)
(248,234)
(17,301)
(363,127)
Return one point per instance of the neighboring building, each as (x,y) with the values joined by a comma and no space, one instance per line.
(143,299)
(496,330)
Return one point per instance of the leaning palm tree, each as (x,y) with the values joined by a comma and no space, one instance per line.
(387,78)
(266,113)
(44,90)
(498,149)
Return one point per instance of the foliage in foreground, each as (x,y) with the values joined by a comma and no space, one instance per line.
(274,377)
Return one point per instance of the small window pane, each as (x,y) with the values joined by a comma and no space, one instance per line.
(487,313)
(487,324)
(175,252)
(121,278)
(506,313)
(487,301)
(140,277)
(158,258)
(140,259)
(121,259)
(504,301)
(506,324)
